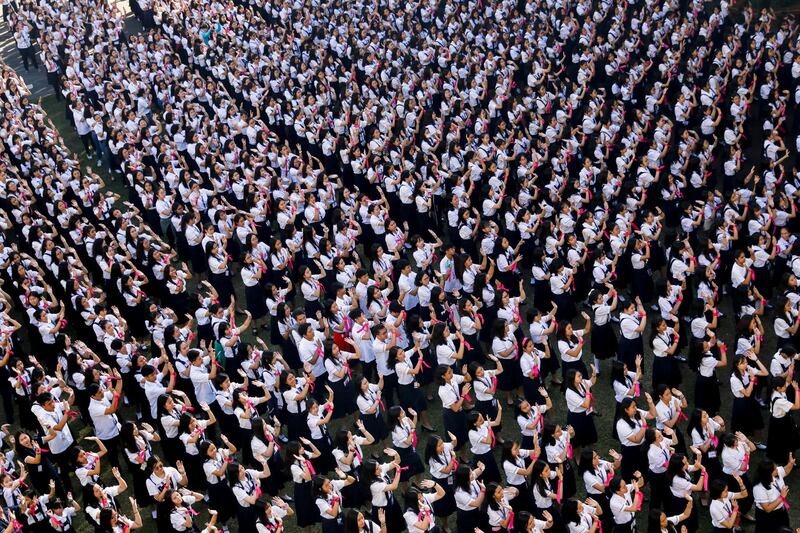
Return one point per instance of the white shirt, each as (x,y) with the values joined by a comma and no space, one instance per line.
(721,510)
(511,468)
(625,431)
(735,460)
(477,438)
(450,393)
(763,495)
(463,497)
(380,497)
(619,503)
(246,487)
(779,405)
(48,420)
(105,426)
(566,345)
(628,324)
(576,398)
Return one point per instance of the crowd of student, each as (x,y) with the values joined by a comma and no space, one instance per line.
(429,206)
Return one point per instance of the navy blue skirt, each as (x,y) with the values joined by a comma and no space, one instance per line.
(585,431)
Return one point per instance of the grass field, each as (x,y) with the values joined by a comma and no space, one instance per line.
(603,394)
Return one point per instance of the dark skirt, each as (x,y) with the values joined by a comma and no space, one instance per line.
(194,471)
(325,462)
(172,448)
(550,365)
(353,496)
(428,367)
(558,522)
(410,461)
(490,473)
(206,333)
(297,426)
(566,307)
(489,410)
(706,394)
(223,285)
(344,393)
(199,261)
(393,513)
(771,522)
(629,349)
(530,389)
(642,285)
(274,331)
(604,341)
(666,372)
(222,500)
(542,297)
(468,521)
(569,487)
(746,416)
(456,423)
(256,303)
(585,431)
(782,438)
(475,350)
(444,507)
(524,499)
(411,396)
(375,424)
(676,506)
(632,461)
(658,489)
(311,308)
(511,378)
(306,510)
(332,525)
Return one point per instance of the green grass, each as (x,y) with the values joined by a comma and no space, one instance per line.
(603,394)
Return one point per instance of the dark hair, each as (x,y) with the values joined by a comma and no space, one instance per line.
(351,520)
(462,477)
(393,416)
(586,460)
(764,474)
(676,467)
(317,482)
(695,423)
(232,473)
(441,370)
(654,520)
(623,415)
(411,498)
(569,511)
(549,433)
(430,449)
(618,373)
(716,488)
(539,483)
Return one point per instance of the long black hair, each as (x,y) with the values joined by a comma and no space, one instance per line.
(539,483)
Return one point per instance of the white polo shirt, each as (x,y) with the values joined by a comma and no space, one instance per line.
(105,426)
